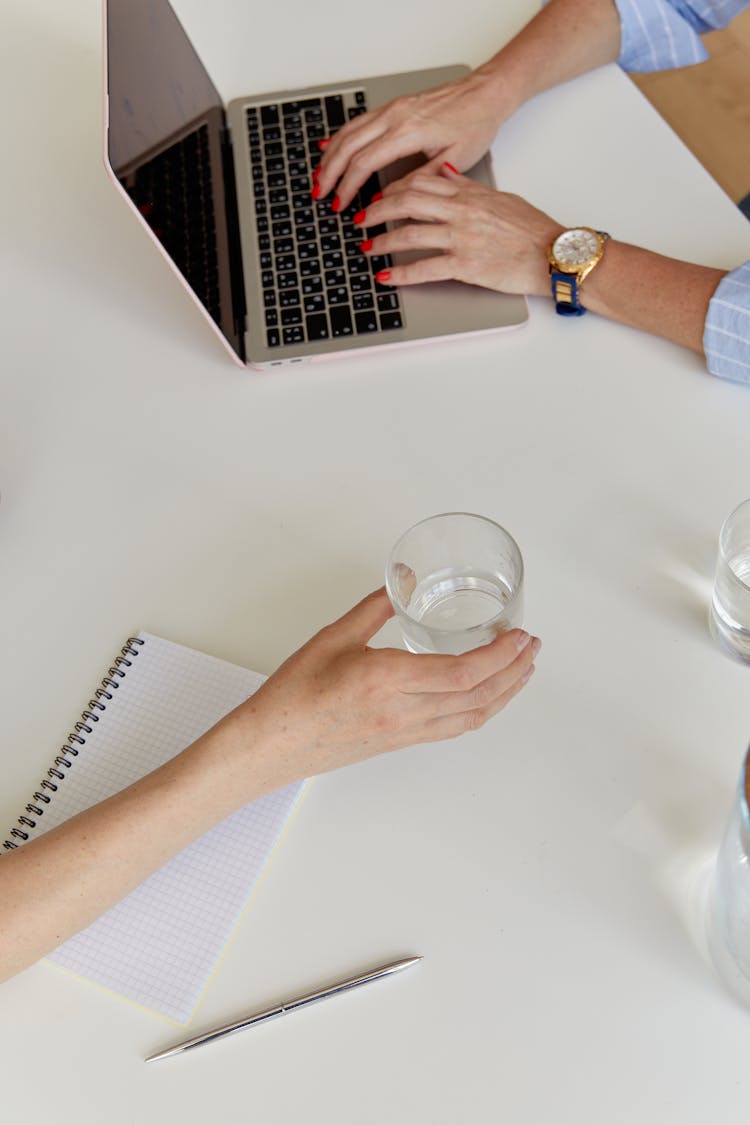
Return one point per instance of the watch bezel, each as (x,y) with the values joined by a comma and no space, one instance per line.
(581,267)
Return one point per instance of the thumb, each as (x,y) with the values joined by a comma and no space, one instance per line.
(363,621)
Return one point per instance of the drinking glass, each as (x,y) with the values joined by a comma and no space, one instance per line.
(729,897)
(455,581)
(730,605)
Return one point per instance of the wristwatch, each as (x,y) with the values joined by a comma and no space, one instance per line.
(572,257)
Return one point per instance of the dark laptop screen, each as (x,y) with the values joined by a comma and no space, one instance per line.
(167,146)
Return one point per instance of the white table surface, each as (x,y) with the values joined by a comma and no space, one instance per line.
(544,867)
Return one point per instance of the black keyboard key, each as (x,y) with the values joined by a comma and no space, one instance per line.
(338,296)
(294,335)
(297,168)
(272,338)
(305,232)
(272,134)
(317,326)
(264,241)
(301,183)
(360,283)
(391,320)
(288,298)
(261,224)
(387,301)
(329,225)
(359,266)
(267,279)
(352,249)
(295,152)
(283,246)
(314,113)
(281,230)
(341,322)
(303,216)
(280,211)
(285,262)
(276,180)
(329,241)
(359,97)
(356,110)
(275,164)
(278,195)
(260,206)
(335,110)
(380,262)
(333,261)
(366,322)
(362,301)
(269,298)
(292,121)
(288,281)
(273,148)
(269,114)
(312,285)
(252,115)
(314,303)
(292,315)
(308,250)
(316,131)
(272,318)
(309,267)
(335,277)
(266,260)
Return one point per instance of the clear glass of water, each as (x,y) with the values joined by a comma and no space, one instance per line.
(730,606)
(455,581)
(729,897)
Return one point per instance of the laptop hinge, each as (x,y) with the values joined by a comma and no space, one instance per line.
(239,306)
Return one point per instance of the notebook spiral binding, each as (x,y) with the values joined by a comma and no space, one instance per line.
(56,773)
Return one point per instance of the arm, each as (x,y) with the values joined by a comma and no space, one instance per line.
(333,703)
(500,241)
(457,122)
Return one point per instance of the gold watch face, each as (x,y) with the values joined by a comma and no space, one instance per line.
(575,248)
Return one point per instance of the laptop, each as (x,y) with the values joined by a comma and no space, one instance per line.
(226,193)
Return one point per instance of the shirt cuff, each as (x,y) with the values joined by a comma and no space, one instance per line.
(726,337)
(655,35)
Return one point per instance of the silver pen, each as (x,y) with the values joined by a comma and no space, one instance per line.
(287,1006)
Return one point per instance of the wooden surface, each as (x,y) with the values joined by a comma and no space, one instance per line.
(708,105)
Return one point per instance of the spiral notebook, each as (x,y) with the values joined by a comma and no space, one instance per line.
(158,946)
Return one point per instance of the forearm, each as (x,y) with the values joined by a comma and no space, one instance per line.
(45,898)
(659,295)
(566,38)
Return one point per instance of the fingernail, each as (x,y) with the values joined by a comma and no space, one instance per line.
(336,205)
(382,275)
(450,166)
(324,142)
(536,644)
(359,218)
(316,191)
(366,245)
(527,675)
(316,173)
(378,195)
(522,640)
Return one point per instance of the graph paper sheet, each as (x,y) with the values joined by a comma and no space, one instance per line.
(158,946)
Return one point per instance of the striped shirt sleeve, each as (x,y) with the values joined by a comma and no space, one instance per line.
(726,337)
(662,34)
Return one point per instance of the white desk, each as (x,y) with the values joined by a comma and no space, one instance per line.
(541,866)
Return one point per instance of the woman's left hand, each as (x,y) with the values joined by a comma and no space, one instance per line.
(485,237)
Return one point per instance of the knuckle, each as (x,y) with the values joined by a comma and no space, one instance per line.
(476,719)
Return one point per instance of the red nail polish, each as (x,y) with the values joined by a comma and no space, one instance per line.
(359,218)
(378,195)
(316,191)
(336,205)
(383,275)
(324,142)
(366,245)
(316,172)
(452,169)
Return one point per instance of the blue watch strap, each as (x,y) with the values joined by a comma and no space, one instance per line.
(565,293)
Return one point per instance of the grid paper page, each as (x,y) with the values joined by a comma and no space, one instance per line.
(158,946)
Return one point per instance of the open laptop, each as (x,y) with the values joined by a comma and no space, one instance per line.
(225,191)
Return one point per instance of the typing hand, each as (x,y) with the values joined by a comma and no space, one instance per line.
(486,237)
(454,122)
(337,701)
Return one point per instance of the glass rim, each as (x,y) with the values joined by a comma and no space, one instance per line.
(724,535)
(471,628)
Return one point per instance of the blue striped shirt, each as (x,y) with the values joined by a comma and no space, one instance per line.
(659,35)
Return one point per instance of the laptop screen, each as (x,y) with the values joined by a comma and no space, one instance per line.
(166,144)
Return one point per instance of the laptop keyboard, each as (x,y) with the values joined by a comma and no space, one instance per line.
(316,282)
(173,192)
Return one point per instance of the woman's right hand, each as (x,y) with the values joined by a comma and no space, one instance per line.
(455,122)
(337,701)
